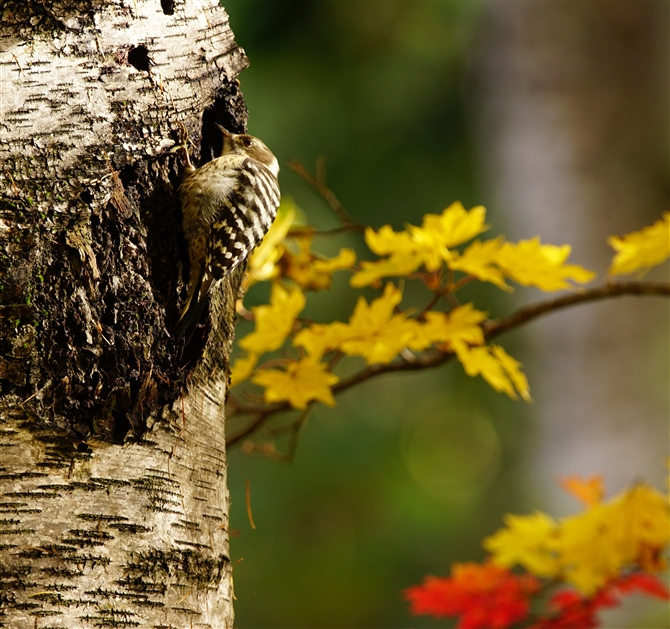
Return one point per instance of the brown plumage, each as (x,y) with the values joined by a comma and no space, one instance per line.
(228,205)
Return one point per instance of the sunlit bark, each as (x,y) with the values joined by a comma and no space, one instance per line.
(113,468)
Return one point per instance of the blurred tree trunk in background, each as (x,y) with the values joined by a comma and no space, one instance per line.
(573,132)
(113,472)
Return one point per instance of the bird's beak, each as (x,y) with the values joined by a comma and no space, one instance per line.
(228,138)
(226,133)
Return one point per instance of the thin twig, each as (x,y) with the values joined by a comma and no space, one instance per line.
(453,287)
(298,232)
(492,329)
(254,424)
(437,295)
(294,434)
(248,500)
(319,184)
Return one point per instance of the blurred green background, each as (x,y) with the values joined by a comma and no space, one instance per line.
(408,472)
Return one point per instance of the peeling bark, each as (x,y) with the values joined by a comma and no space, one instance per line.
(113,499)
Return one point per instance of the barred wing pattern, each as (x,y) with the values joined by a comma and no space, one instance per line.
(242,222)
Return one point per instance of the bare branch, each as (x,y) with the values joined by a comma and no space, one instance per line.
(254,424)
(319,184)
(611,289)
(492,329)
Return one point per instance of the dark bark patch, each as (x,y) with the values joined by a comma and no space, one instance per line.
(32,19)
(138,57)
(230,111)
(102,307)
(23,475)
(113,617)
(168,7)
(126,527)
(187,567)
(90,293)
(96,517)
(83,538)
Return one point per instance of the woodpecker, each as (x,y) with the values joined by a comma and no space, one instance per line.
(227,205)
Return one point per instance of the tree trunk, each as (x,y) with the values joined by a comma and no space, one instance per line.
(574,138)
(113,470)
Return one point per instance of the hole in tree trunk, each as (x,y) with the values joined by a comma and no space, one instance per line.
(138,57)
(168,7)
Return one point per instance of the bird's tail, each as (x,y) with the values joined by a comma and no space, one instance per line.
(194,306)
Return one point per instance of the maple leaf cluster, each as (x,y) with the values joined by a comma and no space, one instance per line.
(528,262)
(381,331)
(484,596)
(609,550)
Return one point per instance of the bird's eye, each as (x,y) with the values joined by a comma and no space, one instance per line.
(247,142)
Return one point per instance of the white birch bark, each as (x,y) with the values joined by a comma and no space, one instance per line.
(113,498)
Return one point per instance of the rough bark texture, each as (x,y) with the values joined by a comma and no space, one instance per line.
(113,499)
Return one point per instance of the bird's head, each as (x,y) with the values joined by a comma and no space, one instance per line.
(245,144)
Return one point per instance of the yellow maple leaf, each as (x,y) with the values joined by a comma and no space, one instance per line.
(589,491)
(319,338)
(513,371)
(302,381)
(387,242)
(480,260)
(525,540)
(274,322)
(497,367)
(642,526)
(430,248)
(381,343)
(631,531)
(531,263)
(345,259)
(458,327)
(427,245)
(641,249)
(405,256)
(587,555)
(310,270)
(242,369)
(456,225)
(374,332)
(371,272)
(263,261)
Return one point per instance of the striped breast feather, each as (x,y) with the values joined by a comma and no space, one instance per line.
(243,218)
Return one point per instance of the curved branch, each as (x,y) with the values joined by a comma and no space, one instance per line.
(611,289)
(492,329)
(256,423)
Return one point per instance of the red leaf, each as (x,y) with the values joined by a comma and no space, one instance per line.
(484,596)
(644,583)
